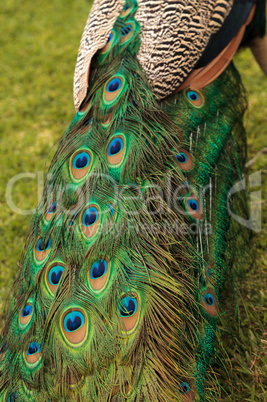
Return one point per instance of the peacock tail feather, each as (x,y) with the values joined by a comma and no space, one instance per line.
(119,288)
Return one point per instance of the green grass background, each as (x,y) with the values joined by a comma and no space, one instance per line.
(39,42)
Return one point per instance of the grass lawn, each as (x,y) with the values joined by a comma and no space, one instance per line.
(39,41)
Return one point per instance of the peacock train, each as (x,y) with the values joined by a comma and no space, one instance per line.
(119,289)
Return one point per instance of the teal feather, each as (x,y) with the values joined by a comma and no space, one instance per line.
(118,292)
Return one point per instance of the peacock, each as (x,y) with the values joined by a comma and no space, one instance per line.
(120,284)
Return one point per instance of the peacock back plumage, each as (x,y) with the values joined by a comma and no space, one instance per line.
(118,292)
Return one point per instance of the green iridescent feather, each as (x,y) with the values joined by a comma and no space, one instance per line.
(135,238)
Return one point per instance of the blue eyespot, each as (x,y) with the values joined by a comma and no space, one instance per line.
(26,314)
(193,204)
(26,311)
(90,216)
(81,160)
(109,38)
(73,321)
(114,85)
(115,146)
(55,274)
(181,157)
(41,246)
(98,269)
(126,7)
(126,29)
(33,348)
(192,95)
(128,306)
(52,207)
(184,387)
(208,298)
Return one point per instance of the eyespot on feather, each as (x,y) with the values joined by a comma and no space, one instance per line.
(127,32)
(81,163)
(26,314)
(195,98)
(209,302)
(113,89)
(194,207)
(85,106)
(184,387)
(186,391)
(53,275)
(184,160)
(74,326)
(116,150)
(127,9)
(42,250)
(33,354)
(111,38)
(129,309)
(90,220)
(51,209)
(98,274)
